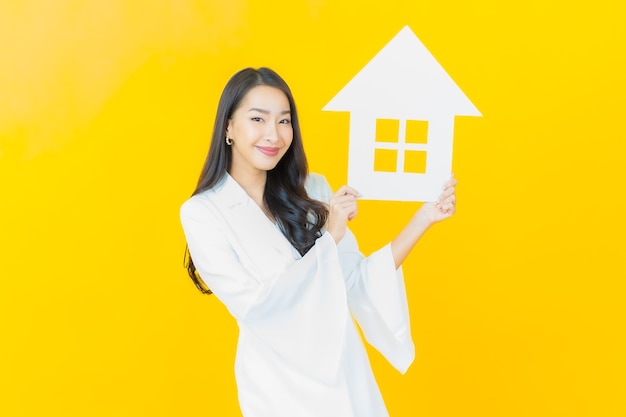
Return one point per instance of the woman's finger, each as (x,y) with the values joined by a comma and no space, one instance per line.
(346,206)
(451,182)
(448,199)
(347,190)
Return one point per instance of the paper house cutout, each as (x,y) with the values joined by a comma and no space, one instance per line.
(402,83)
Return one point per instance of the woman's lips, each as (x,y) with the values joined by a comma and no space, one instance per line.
(268,151)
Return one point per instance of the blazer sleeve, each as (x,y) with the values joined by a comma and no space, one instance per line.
(300,312)
(378,301)
(376,293)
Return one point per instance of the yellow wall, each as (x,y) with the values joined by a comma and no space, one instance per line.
(105,109)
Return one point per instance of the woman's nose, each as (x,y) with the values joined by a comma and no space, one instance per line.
(271,133)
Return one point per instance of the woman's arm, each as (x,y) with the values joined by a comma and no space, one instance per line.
(343,207)
(299,310)
(217,254)
(424,218)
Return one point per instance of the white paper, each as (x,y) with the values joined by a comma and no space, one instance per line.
(402,82)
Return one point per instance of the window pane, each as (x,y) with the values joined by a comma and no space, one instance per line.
(417,131)
(415,162)
(385,160)
(387,130)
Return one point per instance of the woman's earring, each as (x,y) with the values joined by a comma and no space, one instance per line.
(229,141)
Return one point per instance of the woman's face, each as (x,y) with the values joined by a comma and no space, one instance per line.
(261,131)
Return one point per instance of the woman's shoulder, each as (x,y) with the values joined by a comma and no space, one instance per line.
(318,188)
(194,206)
(200,202)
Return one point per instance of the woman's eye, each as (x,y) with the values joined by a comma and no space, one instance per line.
(285,121)
(256,119)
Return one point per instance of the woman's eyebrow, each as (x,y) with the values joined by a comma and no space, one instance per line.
(267,111)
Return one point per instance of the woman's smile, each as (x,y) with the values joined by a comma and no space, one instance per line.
(269,150)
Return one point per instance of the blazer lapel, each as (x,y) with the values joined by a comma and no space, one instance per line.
(259,242)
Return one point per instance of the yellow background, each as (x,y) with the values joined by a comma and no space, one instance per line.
(105,112)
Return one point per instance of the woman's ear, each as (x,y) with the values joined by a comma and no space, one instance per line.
(228,128)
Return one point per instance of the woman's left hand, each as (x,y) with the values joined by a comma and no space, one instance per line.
(426,216)
(444,207)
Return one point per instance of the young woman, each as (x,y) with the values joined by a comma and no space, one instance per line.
(270,241)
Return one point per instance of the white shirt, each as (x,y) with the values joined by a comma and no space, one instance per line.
(299,353)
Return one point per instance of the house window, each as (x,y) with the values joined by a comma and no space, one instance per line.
(387,130)
(401,146)
(417,132)
(385,160)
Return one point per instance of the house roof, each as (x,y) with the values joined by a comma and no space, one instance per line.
(403,81)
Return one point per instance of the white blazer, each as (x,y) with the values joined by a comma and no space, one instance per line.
(299,353)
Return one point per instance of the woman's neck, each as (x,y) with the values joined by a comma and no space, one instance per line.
(253,184)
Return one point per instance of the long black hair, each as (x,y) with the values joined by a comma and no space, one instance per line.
(299,217)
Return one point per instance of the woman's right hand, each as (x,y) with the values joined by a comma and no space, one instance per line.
(342,208)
